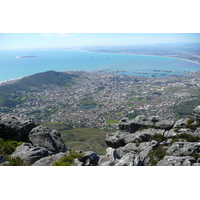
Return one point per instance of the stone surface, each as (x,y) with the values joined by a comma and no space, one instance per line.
(50,139)
(115,139)
(49,160)
(143,121)
(177,161)
(184,148)
(130,159)
(145,148)
(109,159)
(89,159)
(181,123)
(130,147)
(14,128)
(196,114)
(30,154)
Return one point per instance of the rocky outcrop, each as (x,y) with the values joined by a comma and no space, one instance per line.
(196,114)
(14,128)
(153,141)
(42,144)
(50,139)
(142,121)
(29,153)
(178,161)
(49,160)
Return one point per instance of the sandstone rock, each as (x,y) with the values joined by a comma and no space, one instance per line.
(50,139)
(130,159)
(130,147)
(29,153)
(181,123)
(184,148)
(196,114)
(109,159)
(115,139)
(124,124)
(164,124)
(177,161)
(14,128)
(144,150)
(143,121)
(89,159)
(49,160)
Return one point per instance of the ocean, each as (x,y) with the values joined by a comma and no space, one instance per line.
(12,67)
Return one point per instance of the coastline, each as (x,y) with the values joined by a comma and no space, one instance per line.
(9,81)
(128,53)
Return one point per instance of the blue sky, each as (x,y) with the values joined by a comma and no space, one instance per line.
(45,40)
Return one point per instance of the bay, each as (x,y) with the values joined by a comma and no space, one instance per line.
(12,67)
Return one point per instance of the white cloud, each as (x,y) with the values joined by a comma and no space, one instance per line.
(45,35)
(135,38)
(65,35)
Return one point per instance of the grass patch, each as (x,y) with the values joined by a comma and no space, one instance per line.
(156,155)
(67,160)
(15,162)
(7,147)
(86,139)
(109,122)
(87,101)
(188,137)
(159,137)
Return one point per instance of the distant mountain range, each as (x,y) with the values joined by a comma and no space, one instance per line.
(39,79)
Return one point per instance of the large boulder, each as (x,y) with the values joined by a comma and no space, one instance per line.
(49,160)
(115,140)
(196,114)
(29,153)
(143,121)
(181,123)
(14,128)
(88,159)
(50,139)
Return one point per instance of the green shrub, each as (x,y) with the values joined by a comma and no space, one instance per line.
(67,160)
(190,126)
(15,162)
(7,147)
(176,129)
(188,137)
(190,121)
(157,154)
(159,137)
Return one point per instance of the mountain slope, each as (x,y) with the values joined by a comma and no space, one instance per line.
(39,79)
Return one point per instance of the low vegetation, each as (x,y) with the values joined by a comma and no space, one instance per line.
(157,154)
(86,139)
(67,160)
(7,147)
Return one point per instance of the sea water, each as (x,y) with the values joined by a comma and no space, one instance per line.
(12,67)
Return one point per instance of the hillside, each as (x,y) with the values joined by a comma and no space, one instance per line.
(36,80)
